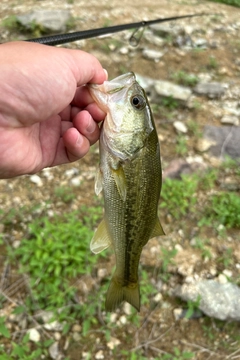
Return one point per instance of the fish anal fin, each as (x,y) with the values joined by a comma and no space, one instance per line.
(157,230)
(120,181)
(117,293)
(101,239)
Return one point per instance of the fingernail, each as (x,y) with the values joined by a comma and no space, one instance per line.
(106,73)
(79,140)
(91,126)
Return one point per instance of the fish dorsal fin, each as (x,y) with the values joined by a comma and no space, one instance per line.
(157,230)
(98,182)
(120,181)
(101,239)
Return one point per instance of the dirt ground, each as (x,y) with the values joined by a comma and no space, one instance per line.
(158,332)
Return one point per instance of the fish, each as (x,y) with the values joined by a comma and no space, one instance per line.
(130,178)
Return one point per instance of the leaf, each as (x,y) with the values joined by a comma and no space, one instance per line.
(4,330)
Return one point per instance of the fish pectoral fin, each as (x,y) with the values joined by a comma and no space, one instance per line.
(120,181)
(157,230)
(98,182)
(101,239)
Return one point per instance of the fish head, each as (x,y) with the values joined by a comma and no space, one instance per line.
(129,120)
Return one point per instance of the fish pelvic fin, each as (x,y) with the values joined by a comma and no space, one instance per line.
(101,239)
(117,293)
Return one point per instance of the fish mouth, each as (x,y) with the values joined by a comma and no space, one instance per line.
(115,85)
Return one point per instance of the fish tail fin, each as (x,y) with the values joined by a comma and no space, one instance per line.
(117,293)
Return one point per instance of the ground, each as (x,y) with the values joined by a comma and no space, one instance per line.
(154,332)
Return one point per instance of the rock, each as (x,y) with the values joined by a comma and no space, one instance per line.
(113,343)
(203,145)
(158,298)
(151,54)
(76,328)
(230,120)
(76,181)
(180,127)
(157,89)
(179,167)
(211,89)
(71,172)
(169,89)
(146,82)
(226,140)
(34,335)
(166,30)
(178,313)
(54,350)
(36,180)
(221,301)
(175,169)
(54,326)
(200,43)
(49,20)
(99,355)
(153,39)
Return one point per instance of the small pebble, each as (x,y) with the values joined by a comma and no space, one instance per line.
(34,335)
(36,180)
(180,127)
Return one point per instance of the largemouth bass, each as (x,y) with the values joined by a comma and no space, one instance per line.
(130,178)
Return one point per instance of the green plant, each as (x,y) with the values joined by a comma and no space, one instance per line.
(224,208)
(193,127)
(146,287)
(228,2)
(65,193)
(208,179)
(169,102)
(212,63)
(3,329)
(192,307)
(226,258)
(167,258)
(55,252)
(181,146)
(183,78)
(23,351)
(178,355)
(205,252)
(10,22)
(179,196)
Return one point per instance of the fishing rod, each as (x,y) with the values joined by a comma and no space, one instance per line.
(87,34)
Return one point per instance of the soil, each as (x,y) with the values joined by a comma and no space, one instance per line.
(157,332)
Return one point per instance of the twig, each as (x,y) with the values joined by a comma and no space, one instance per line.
(201,348)
(152,341)
(231,356)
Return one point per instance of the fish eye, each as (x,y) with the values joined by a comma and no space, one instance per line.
(138,102)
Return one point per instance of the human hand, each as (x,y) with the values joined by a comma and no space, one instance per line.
(47,116)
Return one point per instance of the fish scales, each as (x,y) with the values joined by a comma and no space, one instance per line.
(130,177)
